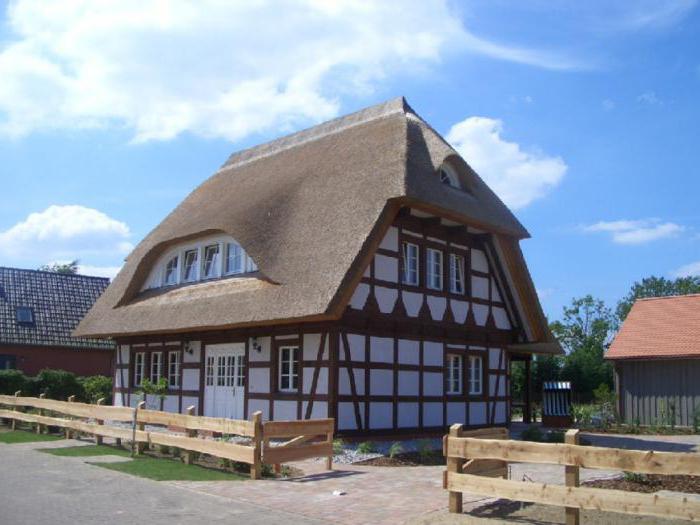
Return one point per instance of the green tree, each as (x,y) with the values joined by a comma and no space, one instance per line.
(656,287)
(584,332)
(67,268)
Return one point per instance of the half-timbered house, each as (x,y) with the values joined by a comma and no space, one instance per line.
(359,270)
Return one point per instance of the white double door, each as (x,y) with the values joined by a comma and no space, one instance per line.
(224,380)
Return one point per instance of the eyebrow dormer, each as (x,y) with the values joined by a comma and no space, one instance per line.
(197,260)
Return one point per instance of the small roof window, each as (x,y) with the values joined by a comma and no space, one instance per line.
(448,176)
(24,315)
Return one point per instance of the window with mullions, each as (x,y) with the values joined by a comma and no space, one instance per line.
(434,269)
(453,379)
(156,366)
(210,266)
(456,273)
(476,386)
(409,264)
(209,376)
(189,272)
(174,369)
(139,364)
(288,368)
(221,371)
(170,276)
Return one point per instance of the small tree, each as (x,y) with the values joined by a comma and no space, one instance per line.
(158,389)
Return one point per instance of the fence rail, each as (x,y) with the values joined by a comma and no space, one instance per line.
(461,450)
(311,438)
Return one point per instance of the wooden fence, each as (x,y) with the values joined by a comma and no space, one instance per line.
(311,438)
(461,449)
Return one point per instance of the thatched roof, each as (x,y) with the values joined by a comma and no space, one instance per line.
(306,208)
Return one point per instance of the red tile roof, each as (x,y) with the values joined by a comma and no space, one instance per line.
(659,327)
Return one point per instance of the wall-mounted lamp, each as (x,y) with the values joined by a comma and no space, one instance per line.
(189,348)
(256,345)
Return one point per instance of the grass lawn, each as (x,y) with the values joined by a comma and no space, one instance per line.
(22,436)
(169,470)
(86,451)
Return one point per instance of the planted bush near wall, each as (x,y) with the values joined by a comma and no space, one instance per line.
(57,384)
(13,380)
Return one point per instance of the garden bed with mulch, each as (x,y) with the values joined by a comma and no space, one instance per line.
(406,459)
(649,483)
(640,431)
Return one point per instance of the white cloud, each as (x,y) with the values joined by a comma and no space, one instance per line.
(65,232)
(518,177)
(608,105)
(649,98)
(688,270)
(99,271)
(636,231)
(217,69)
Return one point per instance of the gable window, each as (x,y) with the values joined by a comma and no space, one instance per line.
(156,366)
(24,315)
(139,364)
(174,369)
(434,268)
(211,261)
(476,386)
(409,259)
(190,266)
(455,367)
(288,368)
(170,276)
(235,262)
(456,273)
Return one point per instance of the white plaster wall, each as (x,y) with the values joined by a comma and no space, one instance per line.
(386,268)
(259,380)
(386,298)
(432,414)
(494,291)
(494,354)
(118,399)
(480,287)
(435,239)
(319,410)
(479,262)
(391,239)
(189,402)
(285,410)
(381,349)
(456,413)
(412,302)
(321,386)
(190,379)
(432,353)
(124,354)
(367,272)
(259,405)
(359,297)
(407,415)
(196,347)
(501,318)
(310,344)
(500,414)
(432,384)
(344,381)
(118,374)
(381,415)
(264,354)
(409,352)
(477,413)
(346,415)
(357,347)
(437,306)
(493,379)
(481,313)
(408,383)
(171,404)
(460,309)
(381,382)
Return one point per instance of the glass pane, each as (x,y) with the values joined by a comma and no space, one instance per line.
(211,260)
(190,273)
(234,258)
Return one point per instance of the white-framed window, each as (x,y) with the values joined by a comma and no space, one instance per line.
(174,369)
(139,364)
(170,275)
(448,176)
(189,271)
(156,366)
(476,375)
(209,375)
(409,267)
(240,370)
(235,258)
(211,263)
(221,370)
(455,368)
(434,269)
(288,368)
(456,273)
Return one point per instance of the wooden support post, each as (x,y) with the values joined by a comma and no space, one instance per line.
(98,438)
(329,459)
(140,445)
(71,399)
(39,426)
(256,467)
(454,465)
(16,409)
(572,478)
(527,409)
(189,455)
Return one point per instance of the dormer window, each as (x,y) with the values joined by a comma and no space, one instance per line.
(170,276)
(448,176)
(211,261)
(190,266)
(235,259)
(24,315)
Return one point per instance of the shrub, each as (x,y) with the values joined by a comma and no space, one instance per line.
(13,380)
(634,477)
(532,433)
(97,387)
(164,449)
(366,447)
(555,436)
(57,384)
(267,471)
(395,449)
(696,419)
(425,449)
(583,415)
(338,447)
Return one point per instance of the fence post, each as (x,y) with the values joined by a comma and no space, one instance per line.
(41,413)
(16,409)
(189,455)
(256,467)
(71,399)
(98,438)
(140,445)
(572,478)
(453,465)
(329,440)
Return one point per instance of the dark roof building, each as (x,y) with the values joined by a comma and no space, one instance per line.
(38,312)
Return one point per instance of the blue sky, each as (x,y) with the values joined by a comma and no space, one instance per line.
(584,118)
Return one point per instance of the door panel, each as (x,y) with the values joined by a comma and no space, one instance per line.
(224,384)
